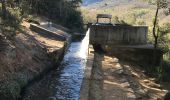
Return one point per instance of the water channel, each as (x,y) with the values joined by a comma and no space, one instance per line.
(63,83)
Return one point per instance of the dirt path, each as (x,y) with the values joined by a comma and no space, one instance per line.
(116,80)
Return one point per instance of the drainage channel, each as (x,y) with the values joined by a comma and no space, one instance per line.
(65,82)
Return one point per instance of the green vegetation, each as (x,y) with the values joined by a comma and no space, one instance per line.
(159,5)
(159,33)
(61,12)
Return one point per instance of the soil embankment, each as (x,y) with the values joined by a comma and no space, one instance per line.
(26,58)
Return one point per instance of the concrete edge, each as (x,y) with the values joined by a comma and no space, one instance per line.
(39,29)
(84,90)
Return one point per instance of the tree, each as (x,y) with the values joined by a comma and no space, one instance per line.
(161,4)
(60,11)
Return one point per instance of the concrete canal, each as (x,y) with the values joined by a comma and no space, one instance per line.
(63,83)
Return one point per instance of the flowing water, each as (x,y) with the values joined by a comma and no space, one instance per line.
(65,82)
(71,76)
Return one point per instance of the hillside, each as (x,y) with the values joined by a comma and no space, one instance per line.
(88,2)
(135,12)
(111,3)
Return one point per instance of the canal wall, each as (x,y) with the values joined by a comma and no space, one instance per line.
(31,55)
(85,86)
(58,33)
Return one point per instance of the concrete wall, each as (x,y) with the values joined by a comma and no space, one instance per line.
(120,34)
(44,32)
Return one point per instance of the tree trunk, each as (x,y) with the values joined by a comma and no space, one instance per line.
(156,43)
(155,23)
(155,35)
